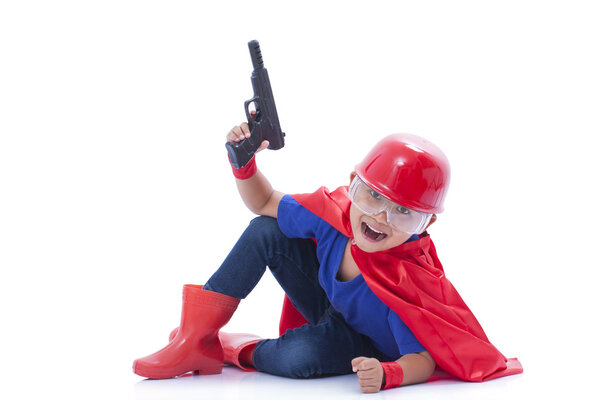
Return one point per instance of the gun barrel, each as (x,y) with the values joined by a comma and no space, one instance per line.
(255,54)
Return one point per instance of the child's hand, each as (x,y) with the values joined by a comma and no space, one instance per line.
(241,132)
(370,374)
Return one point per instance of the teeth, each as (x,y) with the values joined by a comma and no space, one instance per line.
(373,229)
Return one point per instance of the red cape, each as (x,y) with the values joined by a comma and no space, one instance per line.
(411,281)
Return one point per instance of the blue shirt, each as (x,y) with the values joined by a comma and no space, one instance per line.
(361,308)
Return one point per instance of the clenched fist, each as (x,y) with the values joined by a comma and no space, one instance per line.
(370,374)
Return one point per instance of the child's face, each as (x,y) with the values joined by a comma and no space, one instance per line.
(372,233)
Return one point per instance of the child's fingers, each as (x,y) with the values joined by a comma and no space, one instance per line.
(371,388)
(263,146)
(366,374)
(369,384)
(235,134)
(369,373)
(238,133)
(245,129)
(356,361)
(368,365)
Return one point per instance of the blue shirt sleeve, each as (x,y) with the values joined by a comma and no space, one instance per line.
(405,339)
(296,221)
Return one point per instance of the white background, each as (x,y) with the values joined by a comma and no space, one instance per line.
(115,189)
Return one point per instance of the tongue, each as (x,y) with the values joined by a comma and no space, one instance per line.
(371,233)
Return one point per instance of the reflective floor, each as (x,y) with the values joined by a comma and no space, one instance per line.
(235,384)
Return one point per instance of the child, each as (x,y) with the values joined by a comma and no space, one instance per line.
(369,283)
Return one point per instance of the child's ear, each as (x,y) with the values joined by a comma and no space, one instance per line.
(352,175)
(431,221)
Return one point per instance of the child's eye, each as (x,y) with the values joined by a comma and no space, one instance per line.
(403,210)
(375,195)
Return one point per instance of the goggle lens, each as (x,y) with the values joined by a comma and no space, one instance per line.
(371,202)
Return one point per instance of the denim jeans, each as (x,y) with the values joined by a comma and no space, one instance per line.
(328,344)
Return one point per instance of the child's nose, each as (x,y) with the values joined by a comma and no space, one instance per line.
(381,217)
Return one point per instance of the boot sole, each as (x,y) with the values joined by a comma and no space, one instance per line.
(151,373)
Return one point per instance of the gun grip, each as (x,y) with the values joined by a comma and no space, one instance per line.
(240,153)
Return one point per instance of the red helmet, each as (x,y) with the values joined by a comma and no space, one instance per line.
(408,170)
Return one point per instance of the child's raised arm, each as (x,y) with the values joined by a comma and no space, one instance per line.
(253,186)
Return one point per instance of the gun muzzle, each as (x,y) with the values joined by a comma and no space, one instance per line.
(255,54)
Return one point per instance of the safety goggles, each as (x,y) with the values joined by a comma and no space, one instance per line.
(400,218)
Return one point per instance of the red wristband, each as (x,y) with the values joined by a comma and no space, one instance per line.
(247,171)
(394,374)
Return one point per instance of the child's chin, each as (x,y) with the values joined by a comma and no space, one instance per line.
(370,247)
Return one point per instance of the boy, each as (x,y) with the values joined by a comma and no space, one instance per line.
(369,283)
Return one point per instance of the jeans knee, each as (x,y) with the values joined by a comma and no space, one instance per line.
(263,221)
(264,227)
(302,360)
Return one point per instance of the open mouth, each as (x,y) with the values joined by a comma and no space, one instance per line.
(371,234)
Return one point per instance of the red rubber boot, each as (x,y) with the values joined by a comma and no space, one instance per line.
(196,345)
(233,345)
(236,347)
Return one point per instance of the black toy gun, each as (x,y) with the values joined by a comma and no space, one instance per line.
(263,121)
